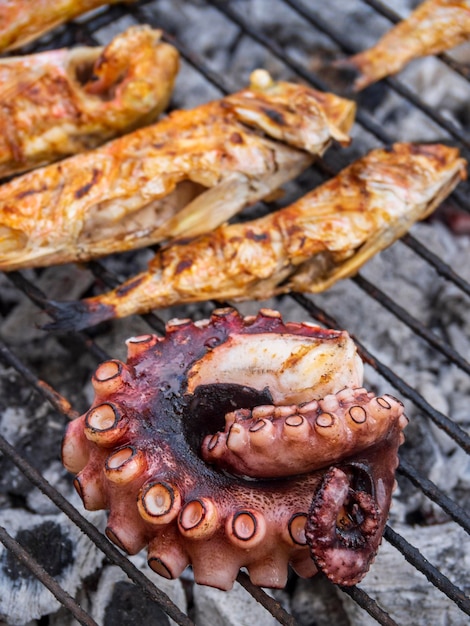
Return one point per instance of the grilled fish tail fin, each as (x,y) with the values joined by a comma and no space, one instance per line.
(352,73)
(76,315)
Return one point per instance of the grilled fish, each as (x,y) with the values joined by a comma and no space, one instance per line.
(58,103)
(435,26)
(22,21)
(184,175)
(323,237)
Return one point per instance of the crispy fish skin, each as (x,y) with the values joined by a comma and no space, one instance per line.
(185,175)
(435,26)
(58,103)
(326,235)
(22,21)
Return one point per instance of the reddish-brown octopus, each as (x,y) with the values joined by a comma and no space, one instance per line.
(240,442)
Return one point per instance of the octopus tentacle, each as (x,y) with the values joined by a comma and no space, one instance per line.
(349,511)
(269,441)
(140,450)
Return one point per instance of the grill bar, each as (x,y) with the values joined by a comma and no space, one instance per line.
(436,117)
(190,56)
(57,401)
(368,604)
(78,30)
(441,268)
(435,494)
(269,603)
(403,315)
(446,424)
(414,556)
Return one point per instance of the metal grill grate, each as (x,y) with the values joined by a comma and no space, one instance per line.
(84,31)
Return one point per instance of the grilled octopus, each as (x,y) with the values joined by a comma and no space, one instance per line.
(325,236)
(435,26)
(240,442)
(23,21)
(61,102)
(184,175)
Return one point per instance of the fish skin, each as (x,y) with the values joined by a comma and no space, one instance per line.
(325,236)
(433,27)
(182,176)
(61,102)
(23,21)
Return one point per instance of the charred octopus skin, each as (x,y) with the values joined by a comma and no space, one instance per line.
(240,442)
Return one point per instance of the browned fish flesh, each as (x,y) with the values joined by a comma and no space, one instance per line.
(435,26)
(61,102)
(23,21)
(184,175)
(323,237)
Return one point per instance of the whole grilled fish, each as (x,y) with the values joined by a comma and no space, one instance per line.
(58,103)
(323,237)
(184,175)
(435,26)
(22,21)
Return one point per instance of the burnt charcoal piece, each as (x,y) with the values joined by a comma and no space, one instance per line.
(129,606)
(47,544)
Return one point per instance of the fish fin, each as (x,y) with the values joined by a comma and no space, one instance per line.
(348,72)
(76,314)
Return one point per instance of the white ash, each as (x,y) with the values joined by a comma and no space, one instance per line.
(42,505)
(104,36)
(229,608)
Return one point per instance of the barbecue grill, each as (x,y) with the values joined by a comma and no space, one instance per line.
(77,354)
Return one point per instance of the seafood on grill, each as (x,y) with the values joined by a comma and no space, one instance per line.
(435,26)
(325,236)
(23,21)
(182,176)
(178,446)
(57,103)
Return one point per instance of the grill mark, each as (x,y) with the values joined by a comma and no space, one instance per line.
(30,192)
(123,290)
(81,191)
(257,236)
(183,265)
(275,116)
(236,138)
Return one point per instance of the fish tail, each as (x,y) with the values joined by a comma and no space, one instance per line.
(76,315)
(349,74)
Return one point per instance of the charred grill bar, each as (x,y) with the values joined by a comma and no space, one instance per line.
(83,31)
